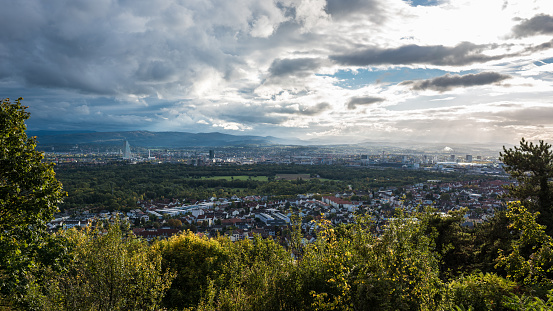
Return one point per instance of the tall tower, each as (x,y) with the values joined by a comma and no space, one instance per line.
(127,151)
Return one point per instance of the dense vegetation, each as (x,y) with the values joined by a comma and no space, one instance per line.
(425,263)
(119,187)
(29,194)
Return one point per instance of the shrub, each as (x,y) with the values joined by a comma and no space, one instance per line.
(481,291)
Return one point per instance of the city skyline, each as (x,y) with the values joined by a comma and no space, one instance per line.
(322,71)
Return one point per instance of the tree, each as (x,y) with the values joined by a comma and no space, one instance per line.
(490,237)
(174,223)
(110,269)
(445,197)
(397,270)
(482,292)
(532,166)
(196,260)
(29,193)
(530,262)
(451,241)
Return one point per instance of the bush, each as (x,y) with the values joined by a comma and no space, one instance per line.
(481,291)
(107,270)
(196,260)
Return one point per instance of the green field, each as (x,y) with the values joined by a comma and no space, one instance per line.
(240,177)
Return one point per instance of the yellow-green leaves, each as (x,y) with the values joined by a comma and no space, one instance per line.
(29,193)
(531,261)
(107,270)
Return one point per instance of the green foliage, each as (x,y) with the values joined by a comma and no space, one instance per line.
(121,186)
(531,260)
(532,166)
(257,276)
(29,191)
(529,303)
(401,270)
(452,243)
(29,194)
(241,178)
(174,223)
(326,268)
(480,292)
(346,268)
(107,270)
(489,238)
(196,260)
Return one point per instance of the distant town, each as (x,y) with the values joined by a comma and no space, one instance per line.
(242,217)
(446,159)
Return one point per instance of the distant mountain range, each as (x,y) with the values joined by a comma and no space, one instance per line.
(152,139)
(145,139)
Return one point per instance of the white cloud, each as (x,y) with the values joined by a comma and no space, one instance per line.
(232,126)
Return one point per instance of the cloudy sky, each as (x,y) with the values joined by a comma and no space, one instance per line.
(320,70)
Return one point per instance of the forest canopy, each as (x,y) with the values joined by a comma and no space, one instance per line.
(119,187)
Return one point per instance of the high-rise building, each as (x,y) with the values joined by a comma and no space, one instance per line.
(127,151)
(364,159)
(211,154)
(468,158)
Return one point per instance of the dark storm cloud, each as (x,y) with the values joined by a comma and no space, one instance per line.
(532,116)
(300,67)
(541,47)
(298,109)
(118,48)
(156,70)
(269,114)
(541,24)
(448,82)
(315,110)
(344,8)
(366,100)
(465,53)
(252,114)
(305,110)
(261,117)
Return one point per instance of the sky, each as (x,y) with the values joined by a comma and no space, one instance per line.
(324,71)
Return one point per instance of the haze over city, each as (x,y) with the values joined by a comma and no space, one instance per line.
(329,71)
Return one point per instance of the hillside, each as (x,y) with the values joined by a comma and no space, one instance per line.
(151,139)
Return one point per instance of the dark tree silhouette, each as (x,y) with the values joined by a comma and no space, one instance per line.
(532,166)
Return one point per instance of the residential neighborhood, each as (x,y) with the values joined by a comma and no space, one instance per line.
(242,217)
